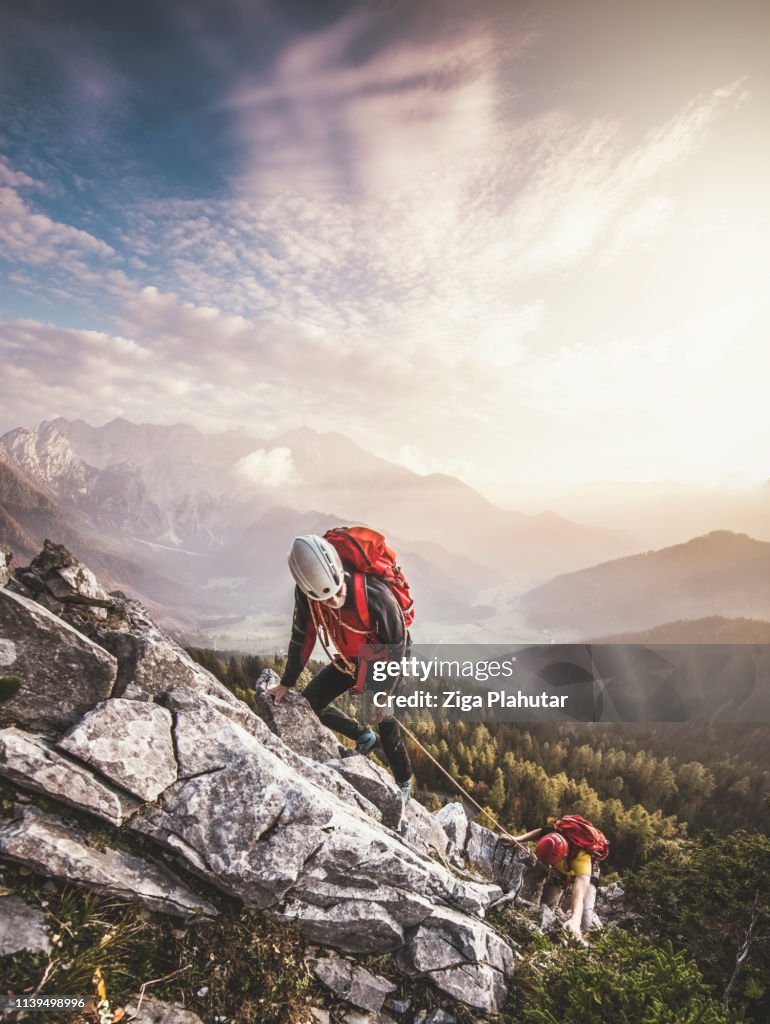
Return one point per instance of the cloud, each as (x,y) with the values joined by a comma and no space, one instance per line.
(14,179)
(32,237)
(267,467)
(328,122)
(409,256)
(414,458)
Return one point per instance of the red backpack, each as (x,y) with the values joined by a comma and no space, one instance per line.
(366,551)
(581,834)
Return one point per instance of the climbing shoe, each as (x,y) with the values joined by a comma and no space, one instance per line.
(366,741)
(406,791)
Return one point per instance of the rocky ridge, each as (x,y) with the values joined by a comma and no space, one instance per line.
(114,721)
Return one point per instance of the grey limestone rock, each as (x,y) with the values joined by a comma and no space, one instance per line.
(65,673)
(146,1010)
(59,582)
(513,869)
(295,723)
(22,927)
(5,565)
(462,957)
(149,661)
(209,732)
(611,905)
(420,829)
(352,983)
(129,742)
(53,847)
(354,926)
(253,823)
(372,782)
(31,761)
(245,802)
(454,821)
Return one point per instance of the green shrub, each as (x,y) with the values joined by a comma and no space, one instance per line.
(704,900)
(9,687)
(621,979)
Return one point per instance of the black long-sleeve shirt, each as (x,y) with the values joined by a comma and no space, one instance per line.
(384,611)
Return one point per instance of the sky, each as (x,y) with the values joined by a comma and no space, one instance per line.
(523,243)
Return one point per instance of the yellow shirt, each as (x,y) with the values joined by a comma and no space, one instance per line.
(579,865)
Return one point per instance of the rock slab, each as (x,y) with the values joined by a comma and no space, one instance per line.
(22,927)
(65,674)
(31,761)
(352,983)
(300,731)
(129,742)
(147,1010)
(465,958)
(53,847)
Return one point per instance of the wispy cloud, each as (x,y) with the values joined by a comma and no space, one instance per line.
(33,237)
(328,122)
(267,467)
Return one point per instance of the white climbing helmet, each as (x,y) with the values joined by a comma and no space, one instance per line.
(316,567)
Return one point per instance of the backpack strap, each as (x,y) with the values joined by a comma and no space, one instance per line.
(359,597)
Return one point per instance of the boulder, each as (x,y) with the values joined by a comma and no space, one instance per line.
(360,857)
(22,927)
(373,783)
(513,869)
(419,828)
(259,831)
(58,581)
(53,847)
(129,742)
(5,565)
(148,660)
(300,730)
(352,983)
(209,732)
(454,821)
(65,673)
(31,761)
(146,1010)
(461,957)
(349,926)
(252,823)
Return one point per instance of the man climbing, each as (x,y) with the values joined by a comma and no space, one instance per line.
(350,610)
(571,849)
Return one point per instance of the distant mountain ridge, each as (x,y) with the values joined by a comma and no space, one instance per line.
(721,574)
(215,513)
(173,504)
(716,629)
(28,516)
(176,486)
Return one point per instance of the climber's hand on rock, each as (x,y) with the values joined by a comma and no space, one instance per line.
(277,691)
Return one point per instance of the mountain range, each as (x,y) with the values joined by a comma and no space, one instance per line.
(216,513)
(720,574)
(197,525)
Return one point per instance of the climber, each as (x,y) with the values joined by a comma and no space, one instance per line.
(571,849)
(352,610)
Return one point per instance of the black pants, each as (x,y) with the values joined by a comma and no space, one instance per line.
(329,684)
